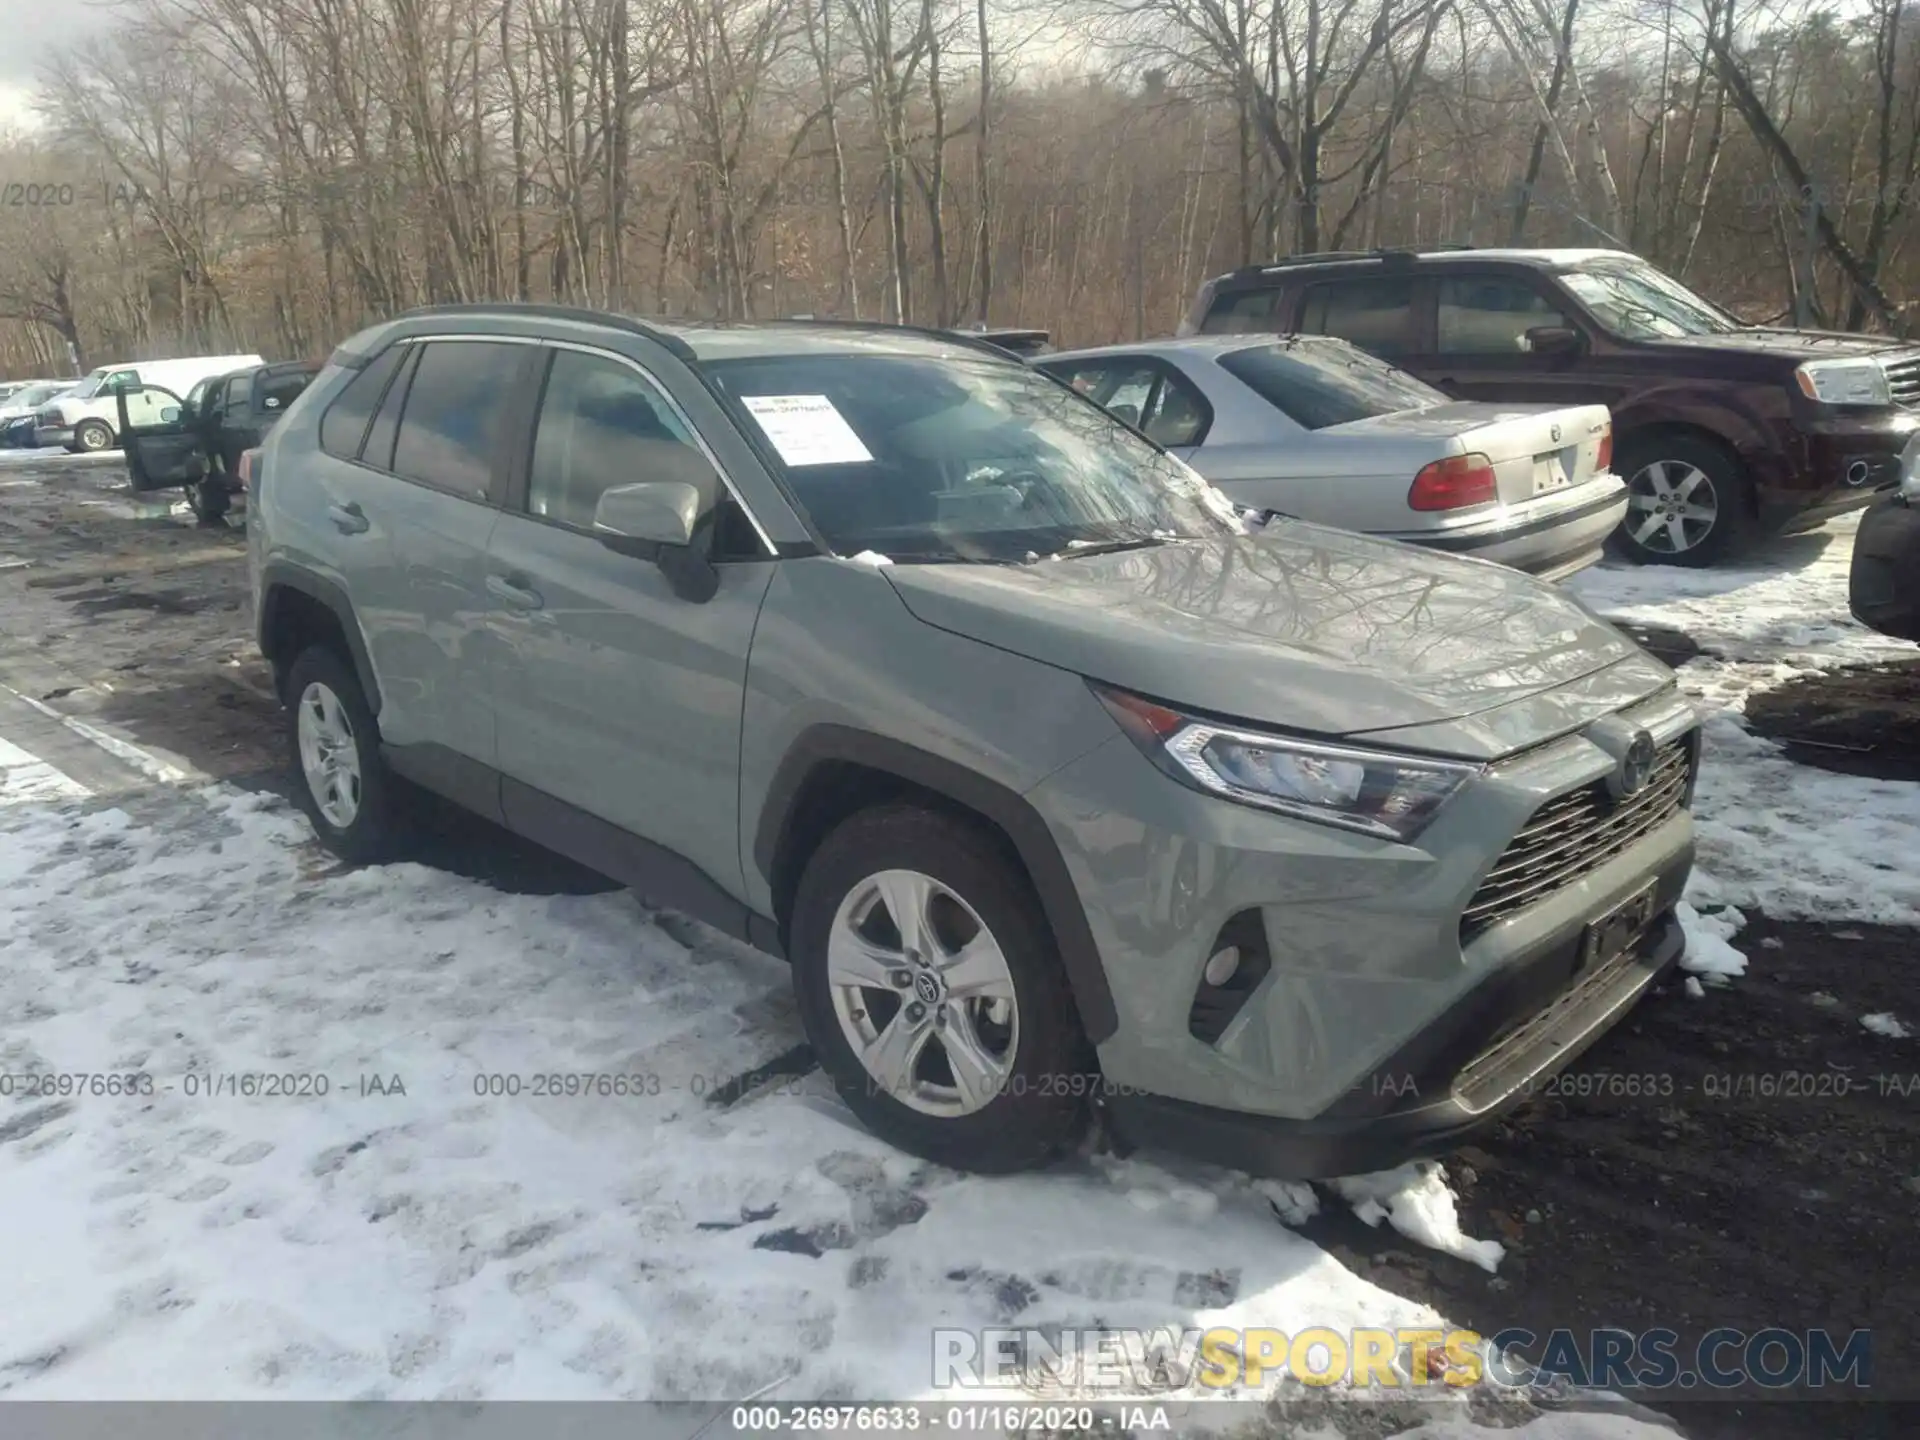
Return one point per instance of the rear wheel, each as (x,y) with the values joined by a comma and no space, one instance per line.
(335,743)
(208,499)
(932,992)
(1688,502)
(91,435)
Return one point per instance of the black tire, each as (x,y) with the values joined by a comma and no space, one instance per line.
(1644,463)
(1041,1108)
(90,436)
(373,832)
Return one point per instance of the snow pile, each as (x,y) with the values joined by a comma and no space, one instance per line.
(873,559)
(1416,1201)
(1887,1025)
(1787,840)
(1708,952)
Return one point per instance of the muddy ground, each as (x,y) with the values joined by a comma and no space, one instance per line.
(1773,1179)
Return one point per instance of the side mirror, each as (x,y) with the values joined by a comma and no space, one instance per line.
(169,414)
(657,512)
(1554,340)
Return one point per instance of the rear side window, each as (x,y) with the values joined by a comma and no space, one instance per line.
(344,425)
(1147,394)
(1374,313)
(1241,310)
(1318,383)
(458,405)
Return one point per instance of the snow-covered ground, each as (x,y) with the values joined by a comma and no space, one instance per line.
(412,1232)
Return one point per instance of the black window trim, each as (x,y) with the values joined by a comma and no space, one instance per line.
(519,482)
(1164,370)
(360,445)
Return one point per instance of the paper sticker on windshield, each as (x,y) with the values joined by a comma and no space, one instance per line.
(807,430)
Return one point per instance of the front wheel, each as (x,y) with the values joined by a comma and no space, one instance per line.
(1688,502)
(92,435)
(208,500)
(932,991)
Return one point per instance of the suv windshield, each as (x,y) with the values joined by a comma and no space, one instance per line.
(923,457)
(1637,302)
(1321,382)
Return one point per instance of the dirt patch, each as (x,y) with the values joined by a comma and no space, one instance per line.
(1770,1180)
(1859,720)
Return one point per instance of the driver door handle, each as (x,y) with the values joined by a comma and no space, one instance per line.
(348,519)
(513,590)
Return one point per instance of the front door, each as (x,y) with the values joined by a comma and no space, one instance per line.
(614,695)
(161,441)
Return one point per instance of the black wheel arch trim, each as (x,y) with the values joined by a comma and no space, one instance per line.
(277,576)
(1023,826)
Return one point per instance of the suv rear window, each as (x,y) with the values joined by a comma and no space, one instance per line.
(1374,313)
(344,425)
(1317,383)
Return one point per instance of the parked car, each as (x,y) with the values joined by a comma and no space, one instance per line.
(85,418)
(18,410)
(878,649)
(1724,430)
(1315,428)
(1884,583)
(195,441)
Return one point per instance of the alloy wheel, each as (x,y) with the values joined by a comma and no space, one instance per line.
(923,994)
(1672,507)
(328,755)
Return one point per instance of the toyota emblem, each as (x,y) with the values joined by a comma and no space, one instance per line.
(927,986)
(1636,766)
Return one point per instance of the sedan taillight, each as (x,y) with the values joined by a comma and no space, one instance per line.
(1453,484)
(1603,460)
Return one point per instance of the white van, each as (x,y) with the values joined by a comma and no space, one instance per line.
(85,419)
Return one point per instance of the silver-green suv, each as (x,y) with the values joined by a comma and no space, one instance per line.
(1061,787)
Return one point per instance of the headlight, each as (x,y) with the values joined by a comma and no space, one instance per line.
(1844,382)
(1371,791)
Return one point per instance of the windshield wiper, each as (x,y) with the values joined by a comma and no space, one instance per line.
(1073,549)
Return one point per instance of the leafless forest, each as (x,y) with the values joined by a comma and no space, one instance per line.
(269,174)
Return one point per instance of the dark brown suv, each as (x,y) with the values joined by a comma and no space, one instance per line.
(1722,430)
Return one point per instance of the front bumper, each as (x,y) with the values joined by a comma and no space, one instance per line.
(44,435)
(1845,464)
(1370,1001)
(1883,587)
(1552,545)
(1512,1069)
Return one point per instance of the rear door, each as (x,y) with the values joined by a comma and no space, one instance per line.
(615,695)
(163,445)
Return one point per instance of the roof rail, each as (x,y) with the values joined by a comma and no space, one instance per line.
(1386,253)
(664,338)
(972,339)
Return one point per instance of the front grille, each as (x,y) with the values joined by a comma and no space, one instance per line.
(1903,378)
(1575,835)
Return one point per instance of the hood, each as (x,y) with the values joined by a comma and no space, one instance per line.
(1795,345)
(1306,629)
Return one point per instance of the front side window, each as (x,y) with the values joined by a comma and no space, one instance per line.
(1484,315)
(1637,302)
(602,424)
(1317,383)
(453,422)
(1374,313)
(948,457)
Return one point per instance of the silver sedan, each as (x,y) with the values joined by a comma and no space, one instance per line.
(1312,427)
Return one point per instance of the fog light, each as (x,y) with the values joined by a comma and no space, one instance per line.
(1221,966)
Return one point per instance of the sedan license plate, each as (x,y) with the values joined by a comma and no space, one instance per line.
(1550,474)
(1616,931)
